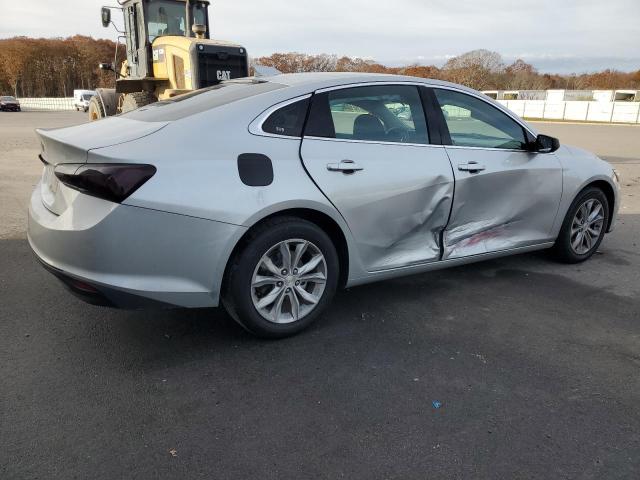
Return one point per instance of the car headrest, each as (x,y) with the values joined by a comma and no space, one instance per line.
(368,127)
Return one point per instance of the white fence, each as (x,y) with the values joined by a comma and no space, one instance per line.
(578,111)
(35,104)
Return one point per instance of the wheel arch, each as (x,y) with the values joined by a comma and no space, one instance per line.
(608,191)
(324,221)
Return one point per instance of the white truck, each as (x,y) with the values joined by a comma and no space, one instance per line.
(81,99)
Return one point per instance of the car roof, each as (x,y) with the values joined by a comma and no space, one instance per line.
(317,80)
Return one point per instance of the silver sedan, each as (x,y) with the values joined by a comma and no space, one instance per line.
(266,195)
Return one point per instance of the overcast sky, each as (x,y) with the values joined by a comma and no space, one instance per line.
(555,35)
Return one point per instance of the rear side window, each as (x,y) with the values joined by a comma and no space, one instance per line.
(288,120)
(380,113)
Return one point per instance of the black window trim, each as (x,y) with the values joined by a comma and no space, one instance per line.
(255,127)
(436,123)
(418,85)
(529,135)
(433,115)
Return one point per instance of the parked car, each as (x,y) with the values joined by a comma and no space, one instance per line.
(268,195)
(81,99)
(9,104)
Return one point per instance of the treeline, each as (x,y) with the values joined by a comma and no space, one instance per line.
(31,67)
(479,69)
(54,67)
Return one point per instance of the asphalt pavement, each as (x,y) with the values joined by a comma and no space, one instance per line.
(517,368)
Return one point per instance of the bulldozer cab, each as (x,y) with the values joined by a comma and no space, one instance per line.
(146,20)
(169,52)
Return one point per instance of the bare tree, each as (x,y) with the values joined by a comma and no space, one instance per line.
(478,69)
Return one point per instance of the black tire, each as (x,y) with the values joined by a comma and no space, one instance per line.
(96,110)
(135,100)
(562,250)
(237,290)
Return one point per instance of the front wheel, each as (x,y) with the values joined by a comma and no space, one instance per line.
(96,109)
(584,227)
(282,279)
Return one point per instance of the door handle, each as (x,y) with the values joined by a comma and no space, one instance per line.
(471,167)
(345,166)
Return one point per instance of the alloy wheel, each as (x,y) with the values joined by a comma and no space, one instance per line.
(587,226)
(289,281)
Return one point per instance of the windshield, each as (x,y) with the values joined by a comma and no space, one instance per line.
(87,96)
(200,100)
(7,99)
(167,17)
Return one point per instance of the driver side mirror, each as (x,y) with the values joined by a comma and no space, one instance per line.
(106,16)
(546,144)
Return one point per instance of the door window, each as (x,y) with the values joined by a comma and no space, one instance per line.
(475,123)
(385,113)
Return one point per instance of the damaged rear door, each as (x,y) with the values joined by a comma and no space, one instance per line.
(505,196)
(367,148)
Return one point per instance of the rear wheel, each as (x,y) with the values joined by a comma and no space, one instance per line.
(584,227)
(283,278)
(135,100)
(96,110)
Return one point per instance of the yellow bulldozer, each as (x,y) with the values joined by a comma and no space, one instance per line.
(169,52)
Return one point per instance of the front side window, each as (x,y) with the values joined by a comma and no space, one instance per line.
(385,113)
(475,123)
(288,120)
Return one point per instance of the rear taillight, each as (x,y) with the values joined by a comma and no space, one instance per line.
(110,181)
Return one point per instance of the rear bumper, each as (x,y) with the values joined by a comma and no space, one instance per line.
(99,294)
(10,108)
(132,257)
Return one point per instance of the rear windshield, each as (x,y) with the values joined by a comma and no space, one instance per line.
(201,100)
(7,98)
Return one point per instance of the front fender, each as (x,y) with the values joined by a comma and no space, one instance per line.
(581,169)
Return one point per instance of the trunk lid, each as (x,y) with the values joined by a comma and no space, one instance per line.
(71,144)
